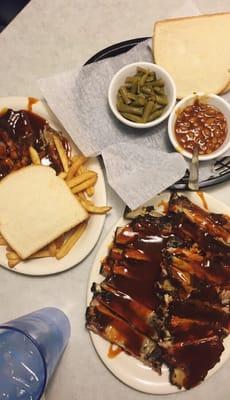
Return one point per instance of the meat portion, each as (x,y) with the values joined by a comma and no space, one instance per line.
(117,331)
(212,315)
(223,220)
(212,268)
(190,360)
(166,290)
(207,221)
(21,129)
(182,328)
(139,316)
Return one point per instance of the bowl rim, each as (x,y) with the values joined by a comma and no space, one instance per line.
(155,122)
(205,157)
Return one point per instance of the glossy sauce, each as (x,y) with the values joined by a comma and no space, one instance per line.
(203,125)
(201,218)
(197,359)
(223,220)
(118,331)
(133,312)
(214,267)
(142,291)
(140,275)
(204,202)
(133,270)
(185,228)
(31,102)
(114,351)
(199,311)
(18,131)
(184,329)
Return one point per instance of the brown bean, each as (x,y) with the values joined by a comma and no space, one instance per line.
(204,128)
(13,155)
(9,163)
(2,150)
(4,135)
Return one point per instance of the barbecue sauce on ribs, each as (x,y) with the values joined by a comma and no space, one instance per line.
(166,276)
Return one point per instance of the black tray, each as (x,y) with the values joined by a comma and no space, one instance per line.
(221,169)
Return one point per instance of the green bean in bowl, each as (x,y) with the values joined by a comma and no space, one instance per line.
(142,95)
(142,98)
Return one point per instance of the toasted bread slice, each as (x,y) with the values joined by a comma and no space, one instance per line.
(195,51)
(36,207)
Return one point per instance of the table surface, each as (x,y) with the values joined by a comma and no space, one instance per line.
(48,37)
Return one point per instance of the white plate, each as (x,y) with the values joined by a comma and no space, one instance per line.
(49,266)
(126,368)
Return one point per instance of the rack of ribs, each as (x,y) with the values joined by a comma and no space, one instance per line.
(166,290)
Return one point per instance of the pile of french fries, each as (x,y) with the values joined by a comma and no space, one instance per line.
(81,182)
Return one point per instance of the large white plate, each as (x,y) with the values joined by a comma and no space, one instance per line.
(129,370)
(49,266)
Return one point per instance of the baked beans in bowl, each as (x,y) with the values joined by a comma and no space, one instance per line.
(201,120)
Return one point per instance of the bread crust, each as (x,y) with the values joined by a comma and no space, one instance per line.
(51,200)
(188,18)
(225,87)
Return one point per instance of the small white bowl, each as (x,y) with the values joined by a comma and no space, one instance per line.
(130,70)
(211,99)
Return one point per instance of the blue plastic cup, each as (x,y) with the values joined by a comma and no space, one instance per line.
(30,348)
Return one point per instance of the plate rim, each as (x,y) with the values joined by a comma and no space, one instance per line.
(101,54)
(99,342)
(21,268)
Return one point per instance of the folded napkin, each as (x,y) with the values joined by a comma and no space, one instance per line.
(139,162)
(136,172)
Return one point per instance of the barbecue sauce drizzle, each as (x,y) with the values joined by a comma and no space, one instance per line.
(31,102)
(203,200)
(139,281)
(18,131)
(114,351)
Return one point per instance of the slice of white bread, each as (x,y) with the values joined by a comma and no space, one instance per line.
(36,207)
(195,51)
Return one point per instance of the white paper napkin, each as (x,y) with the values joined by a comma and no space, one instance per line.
(139,163)
(136,169)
